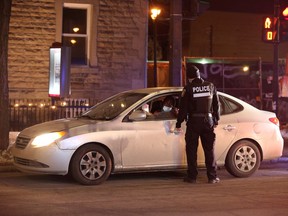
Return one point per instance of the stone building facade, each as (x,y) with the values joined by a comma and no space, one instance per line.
(116,51)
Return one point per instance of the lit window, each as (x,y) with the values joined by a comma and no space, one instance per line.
(75,29)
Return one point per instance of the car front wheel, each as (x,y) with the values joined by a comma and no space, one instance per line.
(243,159)
(91,165)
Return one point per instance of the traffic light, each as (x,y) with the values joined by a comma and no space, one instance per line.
(285,13)
(284,25)
(269,29)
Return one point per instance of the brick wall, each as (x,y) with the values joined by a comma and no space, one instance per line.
(119,46)
(32,31)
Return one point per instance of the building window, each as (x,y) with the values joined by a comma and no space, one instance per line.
(75,32)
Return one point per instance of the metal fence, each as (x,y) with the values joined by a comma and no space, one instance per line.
(27,113)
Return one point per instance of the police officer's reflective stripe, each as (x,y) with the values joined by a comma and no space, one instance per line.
(201,94)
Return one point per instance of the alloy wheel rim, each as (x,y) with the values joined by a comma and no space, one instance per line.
(245,159)
(93,165)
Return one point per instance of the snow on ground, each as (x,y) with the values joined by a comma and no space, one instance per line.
(12,138)
(5,156)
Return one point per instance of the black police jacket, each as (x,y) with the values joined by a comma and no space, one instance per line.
(198,98)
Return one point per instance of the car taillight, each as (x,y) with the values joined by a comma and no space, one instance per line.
(274,120)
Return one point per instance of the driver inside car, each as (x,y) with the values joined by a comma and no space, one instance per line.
(168,109)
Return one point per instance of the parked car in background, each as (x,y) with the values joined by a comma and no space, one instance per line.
(123,134)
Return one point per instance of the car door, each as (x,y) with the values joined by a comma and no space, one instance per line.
(225,131)
(151,143)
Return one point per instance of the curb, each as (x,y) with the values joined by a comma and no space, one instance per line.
(7,167)
(282,159)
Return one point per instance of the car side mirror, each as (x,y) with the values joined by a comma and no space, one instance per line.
(138,115)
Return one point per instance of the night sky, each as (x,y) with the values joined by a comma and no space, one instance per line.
(246,6)
(250,6)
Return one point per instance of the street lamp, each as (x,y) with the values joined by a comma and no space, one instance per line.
(154,13)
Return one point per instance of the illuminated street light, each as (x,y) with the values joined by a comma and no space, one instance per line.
(245,68)
(154,13)
(285,13)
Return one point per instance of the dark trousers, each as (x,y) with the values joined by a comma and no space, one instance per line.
(202,127)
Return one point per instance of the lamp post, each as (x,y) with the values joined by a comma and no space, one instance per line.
(276,59)
(154,13)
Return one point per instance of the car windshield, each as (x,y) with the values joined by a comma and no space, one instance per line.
(113,106)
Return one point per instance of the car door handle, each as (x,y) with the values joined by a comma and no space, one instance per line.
(229,128)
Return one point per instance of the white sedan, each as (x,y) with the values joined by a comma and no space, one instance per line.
(124,134)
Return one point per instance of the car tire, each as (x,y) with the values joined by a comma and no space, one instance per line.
(91,165)
(243,159)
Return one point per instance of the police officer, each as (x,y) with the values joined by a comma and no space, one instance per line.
(199,106)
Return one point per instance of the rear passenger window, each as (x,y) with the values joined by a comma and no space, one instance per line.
(228,106)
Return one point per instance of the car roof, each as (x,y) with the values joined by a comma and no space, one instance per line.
(155,90)
(160,90)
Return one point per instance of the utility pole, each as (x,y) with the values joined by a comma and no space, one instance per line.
(155,52)
(154,13)
(5,12)
(175,44)
(276,57)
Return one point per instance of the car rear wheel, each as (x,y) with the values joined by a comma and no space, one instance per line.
(243,159)
(91,165)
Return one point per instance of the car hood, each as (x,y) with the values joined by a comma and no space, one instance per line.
(61,125)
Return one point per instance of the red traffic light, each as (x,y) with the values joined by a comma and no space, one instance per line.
(285,13)
(284,25)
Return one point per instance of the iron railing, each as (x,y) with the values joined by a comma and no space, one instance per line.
(23,115)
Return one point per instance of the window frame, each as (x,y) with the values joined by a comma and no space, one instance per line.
(90,30)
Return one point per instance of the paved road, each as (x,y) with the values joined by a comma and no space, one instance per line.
(265,193)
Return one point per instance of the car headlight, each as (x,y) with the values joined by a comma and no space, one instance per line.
(46,139)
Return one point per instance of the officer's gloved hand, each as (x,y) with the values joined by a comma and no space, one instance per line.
(177,131)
